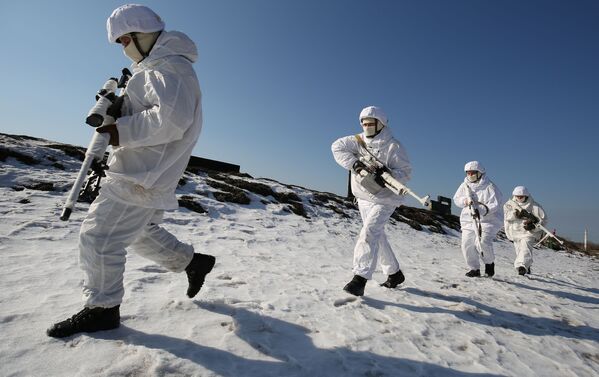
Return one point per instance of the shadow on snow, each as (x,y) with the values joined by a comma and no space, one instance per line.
(290,349)
(490,316)
(560,294)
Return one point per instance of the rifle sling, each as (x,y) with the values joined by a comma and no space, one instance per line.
(362,144)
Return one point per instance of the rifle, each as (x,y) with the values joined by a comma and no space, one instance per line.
(475,213)
(100,114)
(377,175)
(537,223)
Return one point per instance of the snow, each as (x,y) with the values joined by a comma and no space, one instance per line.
(274,305)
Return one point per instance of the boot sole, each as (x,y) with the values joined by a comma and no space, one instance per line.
(65,334)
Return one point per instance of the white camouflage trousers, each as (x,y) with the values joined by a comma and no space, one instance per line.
(372,244)
(471,252)
(109,228)
(523,248)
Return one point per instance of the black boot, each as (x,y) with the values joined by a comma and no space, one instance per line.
(473,273)
(356,286)
(529,271)
(394,280)
(197,270)
(87,320)
(490,269)
(521,270)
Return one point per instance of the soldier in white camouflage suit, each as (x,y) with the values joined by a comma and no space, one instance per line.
(521,214)
(376,203)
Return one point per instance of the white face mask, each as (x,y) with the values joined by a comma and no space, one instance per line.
(133,53)
(474,177)
(371,128)
(370,131)
(146,42)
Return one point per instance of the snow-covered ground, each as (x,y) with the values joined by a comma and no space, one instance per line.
(274,305)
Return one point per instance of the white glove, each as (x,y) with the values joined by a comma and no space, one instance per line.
(467,202)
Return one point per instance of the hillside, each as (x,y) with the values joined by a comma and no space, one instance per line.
(273,306)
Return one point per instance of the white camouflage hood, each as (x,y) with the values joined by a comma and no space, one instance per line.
(171,43)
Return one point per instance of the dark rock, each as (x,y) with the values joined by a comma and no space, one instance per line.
(232,197)
(256,188)
(294,202)
(337,210)
(221,186)
(433,221)
(399,217)
(421,216)
(286,197)
(40,186)
(69,150)
(21,137)
(228,193)
(188,202)
(298,209)
(21,157)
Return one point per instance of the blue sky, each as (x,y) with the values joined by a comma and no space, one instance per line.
(513,84)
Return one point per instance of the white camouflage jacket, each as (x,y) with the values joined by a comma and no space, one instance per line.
(387,150)
(486,192)
(514,227)
(161,122)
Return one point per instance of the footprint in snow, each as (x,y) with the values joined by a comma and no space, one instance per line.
(154,268)
(344,301)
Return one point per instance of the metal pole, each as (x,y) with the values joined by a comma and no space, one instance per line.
(585,239)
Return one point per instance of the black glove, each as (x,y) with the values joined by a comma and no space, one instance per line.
(99,167)
(114,110)
(381,170)
(112,131)
(379,180)
(378,174)
(358,166)
(529,225)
